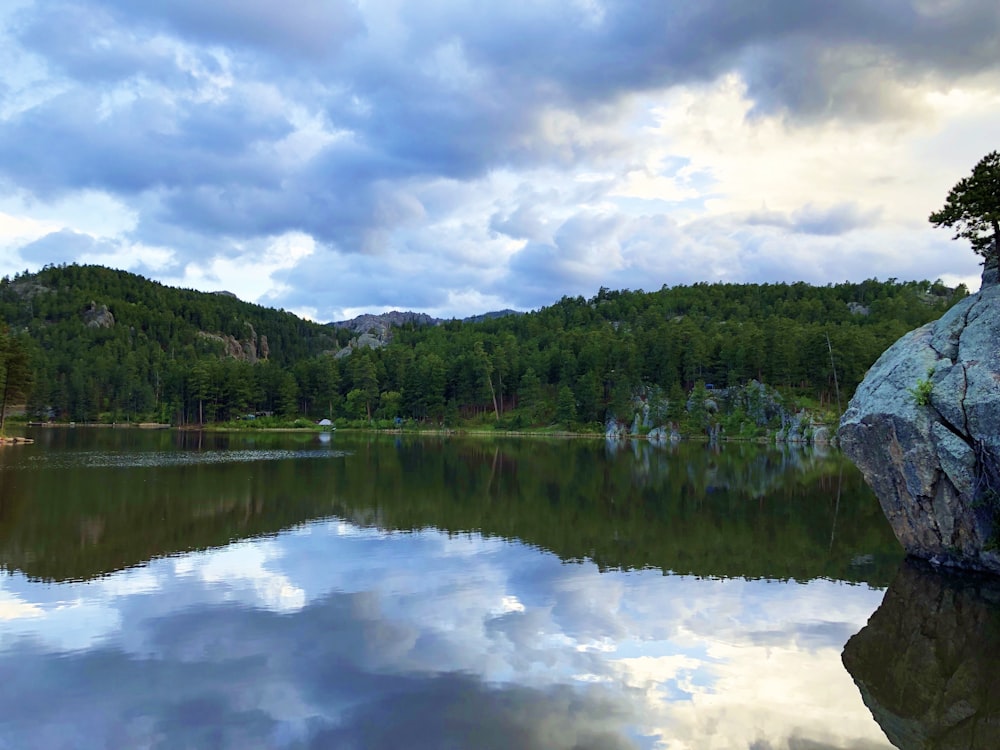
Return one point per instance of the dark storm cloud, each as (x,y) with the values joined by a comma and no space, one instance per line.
(808,58)
(415,120)
(67,143)
(62,247)
(311,29)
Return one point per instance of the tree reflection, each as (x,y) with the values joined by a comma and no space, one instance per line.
(73,512)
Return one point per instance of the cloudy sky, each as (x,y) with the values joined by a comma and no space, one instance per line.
(334,157)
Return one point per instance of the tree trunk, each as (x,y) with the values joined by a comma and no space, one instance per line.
(5,370)
(496,409)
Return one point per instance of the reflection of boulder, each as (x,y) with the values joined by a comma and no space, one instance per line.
(928,662)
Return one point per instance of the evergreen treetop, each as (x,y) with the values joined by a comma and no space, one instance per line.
(973,207)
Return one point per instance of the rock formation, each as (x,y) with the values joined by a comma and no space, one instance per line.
(924,428)
(98,316)
(251,349)
(926,662)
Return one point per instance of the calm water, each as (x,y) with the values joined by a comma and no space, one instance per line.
(281,591)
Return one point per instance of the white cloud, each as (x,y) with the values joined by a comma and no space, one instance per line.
(21,229)
(249,273)
(90,212)
(767,162)
(498,158)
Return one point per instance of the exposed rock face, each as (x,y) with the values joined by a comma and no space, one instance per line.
(926,662)
(252,349)
(381,323)
(364,341)
(98,316)
(924,428)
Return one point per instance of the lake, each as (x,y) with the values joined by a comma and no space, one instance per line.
(184,590)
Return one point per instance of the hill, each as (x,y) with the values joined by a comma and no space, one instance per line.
(113,345)
(110,345)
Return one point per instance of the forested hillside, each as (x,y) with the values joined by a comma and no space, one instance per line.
(110,345)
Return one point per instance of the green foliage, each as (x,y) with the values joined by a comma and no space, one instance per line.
(973,206)
(16,373)
(566,406)
(921,392)
(578,361)
(390,405)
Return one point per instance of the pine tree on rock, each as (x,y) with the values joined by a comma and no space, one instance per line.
(973,208)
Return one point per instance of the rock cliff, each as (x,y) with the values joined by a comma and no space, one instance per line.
(252,348)
(924,428)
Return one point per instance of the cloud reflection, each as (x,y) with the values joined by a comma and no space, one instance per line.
(425,640)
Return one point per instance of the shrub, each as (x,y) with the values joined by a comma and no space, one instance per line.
(922,391)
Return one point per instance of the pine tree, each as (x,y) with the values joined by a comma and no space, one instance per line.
(973,207)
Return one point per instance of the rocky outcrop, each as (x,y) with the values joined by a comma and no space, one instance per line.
(927,661)
(924,428)
(757,408)
(98,316)
(364,341)
(380,324)
(252,348)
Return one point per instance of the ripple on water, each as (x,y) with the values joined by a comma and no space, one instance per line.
(126,459)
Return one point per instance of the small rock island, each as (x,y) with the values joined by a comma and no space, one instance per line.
(924,428)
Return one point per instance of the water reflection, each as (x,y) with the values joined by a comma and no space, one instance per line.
(80,504)
(927,663)
(186,590)
(335,635)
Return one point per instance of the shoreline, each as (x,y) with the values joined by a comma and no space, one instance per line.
(441,432)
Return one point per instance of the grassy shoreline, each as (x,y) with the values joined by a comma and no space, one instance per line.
(540,432)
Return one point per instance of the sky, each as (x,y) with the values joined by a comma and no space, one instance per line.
(334,157)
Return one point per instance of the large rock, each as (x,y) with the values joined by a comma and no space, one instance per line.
(924,428)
